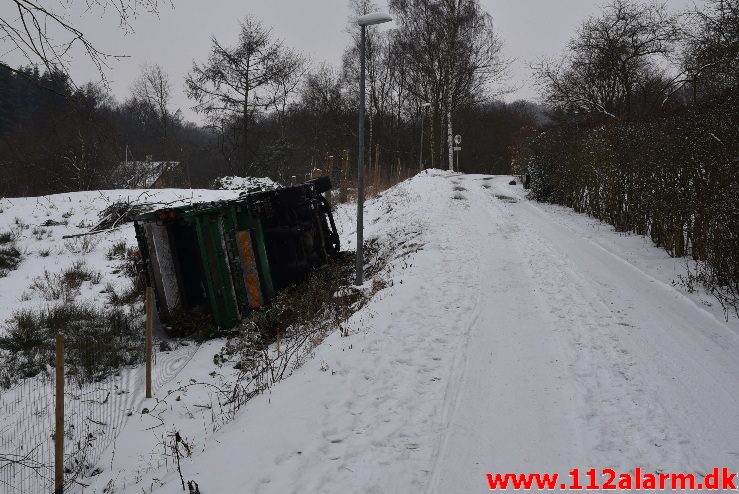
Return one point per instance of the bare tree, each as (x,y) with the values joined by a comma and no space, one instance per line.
(237,82)
(612,58)
(711,55)
(376,69)
(154,89)
(452,56)
(44,35)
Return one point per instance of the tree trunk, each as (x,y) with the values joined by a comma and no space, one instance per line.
(246,120)
(450,137)
(371,139)
(245,130)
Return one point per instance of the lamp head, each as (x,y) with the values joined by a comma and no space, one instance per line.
(374,18)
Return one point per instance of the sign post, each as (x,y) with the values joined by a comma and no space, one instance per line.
(457,147)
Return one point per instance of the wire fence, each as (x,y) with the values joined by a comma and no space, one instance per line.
(104,384)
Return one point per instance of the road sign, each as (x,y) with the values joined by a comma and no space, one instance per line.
(457,139)
(457,148)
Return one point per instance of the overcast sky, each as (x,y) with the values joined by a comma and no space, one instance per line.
(529,28)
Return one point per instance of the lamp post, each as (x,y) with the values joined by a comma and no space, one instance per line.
(363,22)
(420,156)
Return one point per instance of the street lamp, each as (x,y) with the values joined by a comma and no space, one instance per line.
(363,22)
(420,156)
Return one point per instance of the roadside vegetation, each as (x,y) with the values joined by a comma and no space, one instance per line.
(99,339)
(645,150)
(10,256)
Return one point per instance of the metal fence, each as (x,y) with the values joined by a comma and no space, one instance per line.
(102,384)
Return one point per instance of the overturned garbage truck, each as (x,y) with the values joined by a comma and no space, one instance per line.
(227,258)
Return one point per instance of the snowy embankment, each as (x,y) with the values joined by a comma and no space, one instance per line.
(511,336)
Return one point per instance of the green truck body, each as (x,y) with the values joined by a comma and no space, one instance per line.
(228,258)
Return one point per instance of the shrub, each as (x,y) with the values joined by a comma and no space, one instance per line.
(98,341)
(79,273)
(81,245)
(131,294)
(39,233)
(10,258)
(51,286)
(65,285)
(51,222)
(673,178)
(130,268)
(300,317)
(117,251)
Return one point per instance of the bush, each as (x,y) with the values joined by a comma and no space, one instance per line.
(117,251)
(131,294)
(130,268)
(98,341)
(81,245)
(65,285)
(299,318)
(40,233)
(10,258)
(673,178)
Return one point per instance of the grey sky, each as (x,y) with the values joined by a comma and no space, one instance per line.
(529,28)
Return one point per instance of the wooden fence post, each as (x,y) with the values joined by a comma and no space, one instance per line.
(149,337)
(59,418)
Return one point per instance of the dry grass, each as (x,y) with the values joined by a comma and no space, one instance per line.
(10,256)
(65,285)
(376,182)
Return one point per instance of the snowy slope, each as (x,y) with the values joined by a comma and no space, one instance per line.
(512,336)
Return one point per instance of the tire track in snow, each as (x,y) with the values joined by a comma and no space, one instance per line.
(658,362)
(451,397)
(624,426)
(396,411)
(604,396)
(500,424)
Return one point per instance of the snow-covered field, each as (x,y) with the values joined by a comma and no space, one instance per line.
(44,249)
(511,336)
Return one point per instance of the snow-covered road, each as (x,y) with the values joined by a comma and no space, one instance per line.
(578,358)
(520,338)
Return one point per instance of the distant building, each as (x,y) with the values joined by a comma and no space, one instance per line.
(150,175)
